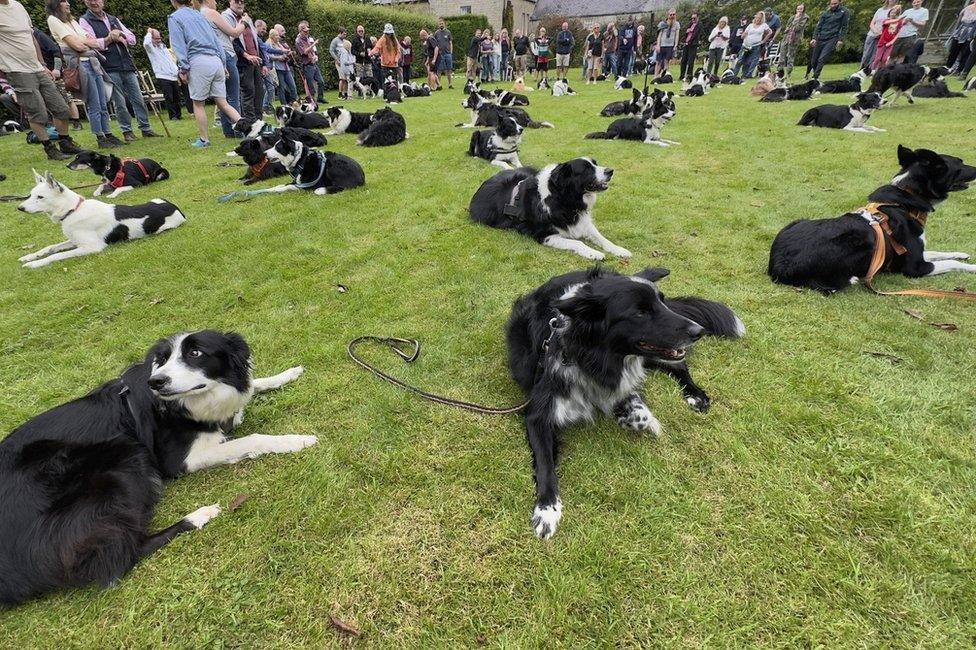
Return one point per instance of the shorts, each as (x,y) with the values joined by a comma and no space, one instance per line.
(445,63)
(562,60)
(902,46)
(542,63)
(595,62)
(666,53)
(37,95)
(206,78)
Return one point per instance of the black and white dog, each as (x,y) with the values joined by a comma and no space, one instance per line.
(387,128)
(850,85)
(259,166)
(900,77)
(508,98)
(583,343)
(471,86)
(342,120)
(543,84)
(634,106)
(622,83)
(391,91)
(119,174)
(10,126)
(800,91)
(647,127)
(485,113)
(554,206)
(830,254)
(268,134)
(729,77)
(90,225)
(415,90)
(324,172)
(290,116)
(500,146)
(934,85)
(849,118)
(365,87)
(79,482)
(665,78)
(308,105)
(561,88)
(698,86)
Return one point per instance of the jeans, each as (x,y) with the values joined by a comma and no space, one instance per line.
(714,60)
(504,65)
(127,87)
(747,61)
(625,61)
(287,92)
(233,96)
(269,91)
(688,61)
(316,84)
(870,46)
(610,63)
(957,51)
(971,61)
(820,53)
(96,103)
(171,96)
(485,67)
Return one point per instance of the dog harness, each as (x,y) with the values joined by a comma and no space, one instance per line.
(258,167)
(514,206)
(296,172)
(119,179)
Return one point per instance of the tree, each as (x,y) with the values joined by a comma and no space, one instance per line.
(508,16)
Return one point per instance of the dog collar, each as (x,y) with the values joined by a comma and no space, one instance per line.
(67,214)
(257,168)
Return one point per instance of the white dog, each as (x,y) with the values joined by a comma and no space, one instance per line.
(92,225)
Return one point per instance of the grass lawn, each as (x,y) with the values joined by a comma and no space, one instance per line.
(825,499)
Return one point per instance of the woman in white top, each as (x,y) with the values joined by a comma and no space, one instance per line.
(718,40)
(225,32)
(756,33)
(78,49)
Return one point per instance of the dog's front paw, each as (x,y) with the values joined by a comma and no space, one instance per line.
(620,252)
(30,257)
(198,518)
(36,264)
(545,519)
(592,254)
(291,443)
(292,374)
(640,418)
(699,403)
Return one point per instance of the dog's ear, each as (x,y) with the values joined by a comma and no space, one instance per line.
(37,177)
(906,156)
(584,305)
(932,162)
(240,352)
(653,273)
(52,183)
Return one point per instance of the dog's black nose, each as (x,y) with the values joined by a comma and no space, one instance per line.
(696,331)
(157,382)
(21,208)
(609,172)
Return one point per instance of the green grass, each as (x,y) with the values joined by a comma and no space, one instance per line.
(825,500)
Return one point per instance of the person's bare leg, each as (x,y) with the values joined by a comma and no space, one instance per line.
(39,130)
(200,114)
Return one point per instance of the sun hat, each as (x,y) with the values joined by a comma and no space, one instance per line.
(388,28)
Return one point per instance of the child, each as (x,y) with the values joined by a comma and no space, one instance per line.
(347,65)
(889,30)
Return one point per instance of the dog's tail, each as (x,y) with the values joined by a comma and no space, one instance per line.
(597,135)
(162,174)
(716,318)
(540,125)
(474,146)
(769,97)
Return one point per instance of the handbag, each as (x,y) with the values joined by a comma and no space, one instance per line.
(71,76)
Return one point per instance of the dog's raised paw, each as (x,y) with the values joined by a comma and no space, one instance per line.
(545,519)
(198,518)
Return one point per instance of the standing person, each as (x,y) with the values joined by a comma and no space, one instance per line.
(667,40)
(54,61)
(248,60)
(792,36)
(200,59)
(78,49)
(31,82)
(360,50)
(756,32)
(890,27)
(473,53)
(496,57)
(224,32)
(961,40)
(541,50)
(775,23)
(164,70)
(565,41)
(904,46)
(336,49)
(610,41)
(690,49)
(738,35)
(594,51)
(625,47)
(406,58)
(506,44)
(388,49)
(113,40)
(718,40)
(431,54)
(287,90)
(874,32)
(268,74)
(485,50)
(445,54)
(828,35)
(308,57)
(521,45)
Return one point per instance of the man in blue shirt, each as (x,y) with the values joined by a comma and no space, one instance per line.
(200,59)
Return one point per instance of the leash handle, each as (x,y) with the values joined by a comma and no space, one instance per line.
(409,351)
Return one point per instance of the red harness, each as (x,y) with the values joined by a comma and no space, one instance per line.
(119,179)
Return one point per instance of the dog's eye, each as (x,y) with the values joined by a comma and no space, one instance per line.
(194,354)
(643,313)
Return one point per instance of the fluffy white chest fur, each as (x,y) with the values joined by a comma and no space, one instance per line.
(586,396)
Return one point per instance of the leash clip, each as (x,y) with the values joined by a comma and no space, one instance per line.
(394,344)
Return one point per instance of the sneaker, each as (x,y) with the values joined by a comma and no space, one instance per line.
(439,88)
(67,145)
(105,143)
(149,133)
(76,125)
(200,143)
(51,149)
(110,138)
(128,136)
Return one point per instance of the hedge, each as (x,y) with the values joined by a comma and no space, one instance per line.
(462,31)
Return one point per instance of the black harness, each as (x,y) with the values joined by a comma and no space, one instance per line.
(514,207)
(296,171)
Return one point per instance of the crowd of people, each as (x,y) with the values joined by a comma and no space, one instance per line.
(242,64)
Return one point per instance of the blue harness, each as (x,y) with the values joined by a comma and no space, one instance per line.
(297,170)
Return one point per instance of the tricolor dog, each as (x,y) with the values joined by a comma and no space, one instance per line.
(119,174)
(79,483)
(91,225)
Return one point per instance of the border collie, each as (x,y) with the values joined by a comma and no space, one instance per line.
(902,77)
(935,88)
(80,481)
(365,87)
(730,78)
(582,344)
(500,146)
(268,134)
(471,86)
(830,254)
(698,86)
(485,113)
(415,90)
(259,166)
(342,120)
(850,85)
(796,92)
(308,105)
(561,88)
(665,78)
(543,84)
(647,127)
(387,128)
(633,106)
(91,225)
(324,172)
(622,83)
(508,98)
(10,126)
(290,116)
(848,118)
(553,206)
(391,91)
(119,174)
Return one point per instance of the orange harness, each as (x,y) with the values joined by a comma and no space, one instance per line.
(882,236)
(257,168)
(119,179)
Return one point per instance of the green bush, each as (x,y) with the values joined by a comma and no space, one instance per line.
(462,31)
